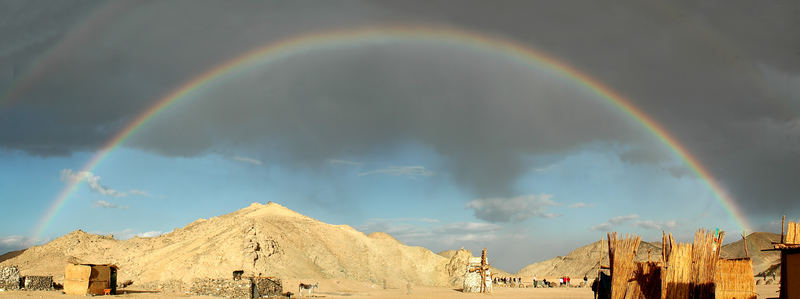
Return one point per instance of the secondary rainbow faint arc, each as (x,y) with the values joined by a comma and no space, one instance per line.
(53,57)
(359,36)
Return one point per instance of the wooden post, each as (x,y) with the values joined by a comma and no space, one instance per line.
(744,238)
(483,271)
(783,225)
(600,263)
(663,248)
(610,254)
(599,267)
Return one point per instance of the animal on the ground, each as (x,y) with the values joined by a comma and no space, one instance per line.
(307,287)
(237,275)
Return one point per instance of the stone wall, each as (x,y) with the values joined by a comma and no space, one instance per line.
(227,288)
(265,286)
(9,278)
(38,283)
(165,286)
(472,282)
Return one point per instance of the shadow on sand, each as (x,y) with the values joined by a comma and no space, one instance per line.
(124,291)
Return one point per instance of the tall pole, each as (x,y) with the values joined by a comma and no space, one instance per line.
(744,238)
(783,225)
(483,271)
(599,267)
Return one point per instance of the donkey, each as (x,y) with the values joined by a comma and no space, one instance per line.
(308,287)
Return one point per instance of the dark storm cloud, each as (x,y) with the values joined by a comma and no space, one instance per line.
(719,76)
(483,114)
(514,209)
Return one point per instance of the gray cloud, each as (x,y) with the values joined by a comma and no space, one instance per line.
(720,77)
(107,205)
(622,219)
(614,221)
(343,162)
(605,226)
(474,236)
(644,224)
(446,235)
(656,225)
(15,242)
(411,172)
(247,160)
(75,177)
(514,209)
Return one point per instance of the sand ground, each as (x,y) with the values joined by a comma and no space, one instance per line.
(416,292)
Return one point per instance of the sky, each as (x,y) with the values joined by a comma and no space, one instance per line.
(442,144)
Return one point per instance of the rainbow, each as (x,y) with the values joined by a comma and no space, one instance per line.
(354,37)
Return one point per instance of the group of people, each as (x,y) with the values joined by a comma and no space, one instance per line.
(507,280)
(562,281)
(540,283)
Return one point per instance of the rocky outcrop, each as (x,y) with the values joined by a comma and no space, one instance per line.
(257,251)
(457,266)
(9,278)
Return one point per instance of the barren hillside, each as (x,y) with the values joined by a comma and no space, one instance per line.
(260,239)
(755,243)
(10,254)
(584,261)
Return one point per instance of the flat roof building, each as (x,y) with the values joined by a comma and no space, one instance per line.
(92,279)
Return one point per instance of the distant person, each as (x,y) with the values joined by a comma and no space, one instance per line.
(534,280)
(561,281)
(585,280)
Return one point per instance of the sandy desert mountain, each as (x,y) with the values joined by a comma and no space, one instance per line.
(755,243)
(268,240)
(271,240)
(584,260)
